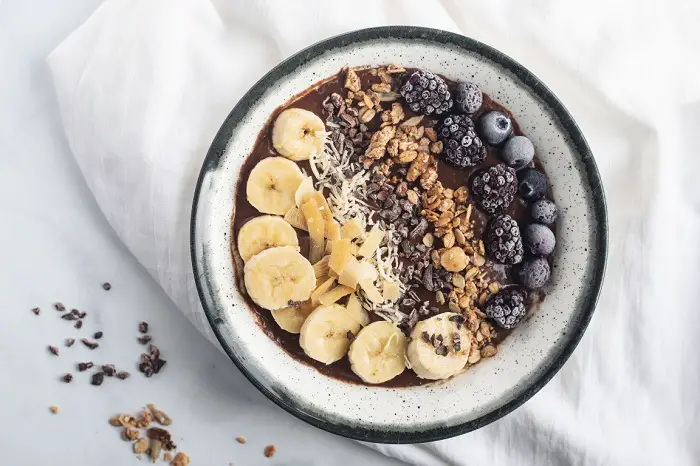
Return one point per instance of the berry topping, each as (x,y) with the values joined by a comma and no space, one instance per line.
(532,184)
(539,239)
(468,97)
(462,147)
(427,93)
(517,152)
(534,273)
(544,211)
(494,188)
(507,307)
(503,241)
(495,127)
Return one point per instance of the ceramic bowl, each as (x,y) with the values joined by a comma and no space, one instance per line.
(528,358)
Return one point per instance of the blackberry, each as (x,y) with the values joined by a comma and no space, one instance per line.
(494,188)
(427,93)
(507,307)
(503,241)
(462,147)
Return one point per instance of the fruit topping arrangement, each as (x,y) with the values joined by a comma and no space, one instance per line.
(401,227)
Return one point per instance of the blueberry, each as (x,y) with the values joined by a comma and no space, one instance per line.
(534,273)
(532,184)
(495,127)
(517,152)
(468,97)
(539,239)
(544,211)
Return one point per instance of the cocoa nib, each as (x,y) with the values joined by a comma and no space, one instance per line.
(53,350)
(151,363)
(106,286)
(67,378)
(83,366)
(109,370)
(36,310)
(69,342)
(78,324)
(97,378)
(145,339)
(97,335)
(143,327)
(71,316)
(122,375)
(90,344)
(419,231)
(59,307)
(350,335)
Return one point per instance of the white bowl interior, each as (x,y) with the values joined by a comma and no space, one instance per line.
(525,353)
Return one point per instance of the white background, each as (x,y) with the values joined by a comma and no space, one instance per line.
(55,245)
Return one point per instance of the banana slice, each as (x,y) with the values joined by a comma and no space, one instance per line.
(272,184)
(324,335)
(292,318)
(265,232)
(378,352)
(298,133)
(277,276)
(434,352)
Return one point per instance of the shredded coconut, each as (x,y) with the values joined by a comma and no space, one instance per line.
(345,183)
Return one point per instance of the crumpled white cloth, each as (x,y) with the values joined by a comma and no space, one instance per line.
(144,85)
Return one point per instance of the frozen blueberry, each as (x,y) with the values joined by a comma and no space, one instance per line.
(468,97)
(534,273)
(532,184)
(544,211)
(539,239)
(517,152)
(495,127)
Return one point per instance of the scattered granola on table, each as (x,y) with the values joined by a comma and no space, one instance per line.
(148,439)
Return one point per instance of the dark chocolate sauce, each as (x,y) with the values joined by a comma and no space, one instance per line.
(449,176)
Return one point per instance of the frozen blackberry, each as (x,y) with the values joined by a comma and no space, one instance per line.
(468,97)
(427,93)
(462,147)
(503,241)
(507,307)
(494,188)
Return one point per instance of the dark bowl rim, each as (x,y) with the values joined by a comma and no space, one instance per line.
(217,149)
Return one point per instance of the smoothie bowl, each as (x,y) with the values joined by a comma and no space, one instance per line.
(399,235)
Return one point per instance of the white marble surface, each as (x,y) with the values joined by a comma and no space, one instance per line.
(56,246)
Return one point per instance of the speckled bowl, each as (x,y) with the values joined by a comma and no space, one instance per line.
(528,358)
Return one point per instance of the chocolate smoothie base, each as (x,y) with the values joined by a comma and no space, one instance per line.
(448,175)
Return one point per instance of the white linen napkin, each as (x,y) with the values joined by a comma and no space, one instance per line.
(144,85)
